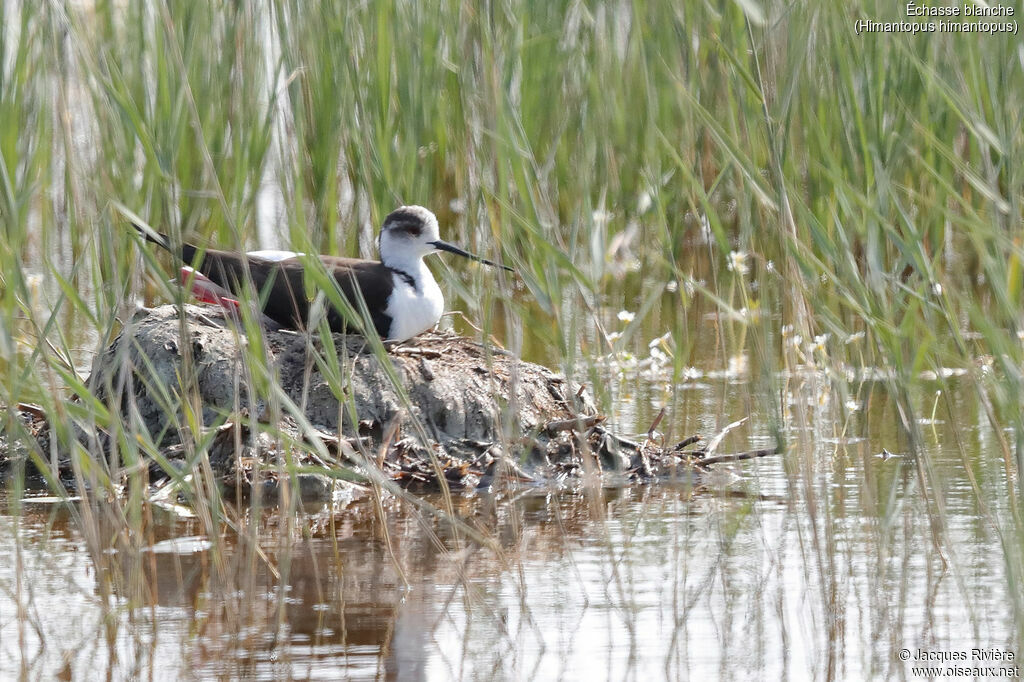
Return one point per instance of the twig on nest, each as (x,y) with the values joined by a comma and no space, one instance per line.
(580,423)
(654,425)
(412,350)
(494,345)
(735,457)
(35,410)
(686,442)
(717,440)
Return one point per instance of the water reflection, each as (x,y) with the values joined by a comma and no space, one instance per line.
(375,598)
(822,562)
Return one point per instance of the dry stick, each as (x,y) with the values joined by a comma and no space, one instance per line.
(654,424)
(572,424)
(36,411)
(717,440)
(687,441)
(421,352)
(495,347)
(753,454)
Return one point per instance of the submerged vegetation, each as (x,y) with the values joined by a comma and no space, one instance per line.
(690,192)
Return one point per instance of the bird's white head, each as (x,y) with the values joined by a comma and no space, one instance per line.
(409,233)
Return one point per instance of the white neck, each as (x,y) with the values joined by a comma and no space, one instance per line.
(409,263)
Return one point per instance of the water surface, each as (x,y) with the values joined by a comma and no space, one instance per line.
(824,562)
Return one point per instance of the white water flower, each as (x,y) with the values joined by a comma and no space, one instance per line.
(660,340)
(626,316)
(692,374)
(644,203)
(653,373)
(705,229)
(738,366)
(738,262)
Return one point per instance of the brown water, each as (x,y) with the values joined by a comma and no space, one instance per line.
(822,563)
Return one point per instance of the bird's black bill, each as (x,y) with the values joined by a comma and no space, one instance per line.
(451,248)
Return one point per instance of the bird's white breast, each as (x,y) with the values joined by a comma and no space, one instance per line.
(414,310)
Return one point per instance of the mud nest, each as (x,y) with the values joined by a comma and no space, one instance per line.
(291,406)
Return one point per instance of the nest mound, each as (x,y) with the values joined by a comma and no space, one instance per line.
(438,410)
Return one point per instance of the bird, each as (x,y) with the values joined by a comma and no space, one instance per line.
(401,295)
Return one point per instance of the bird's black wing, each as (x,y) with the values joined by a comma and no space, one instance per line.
(369,279)
(281,283)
